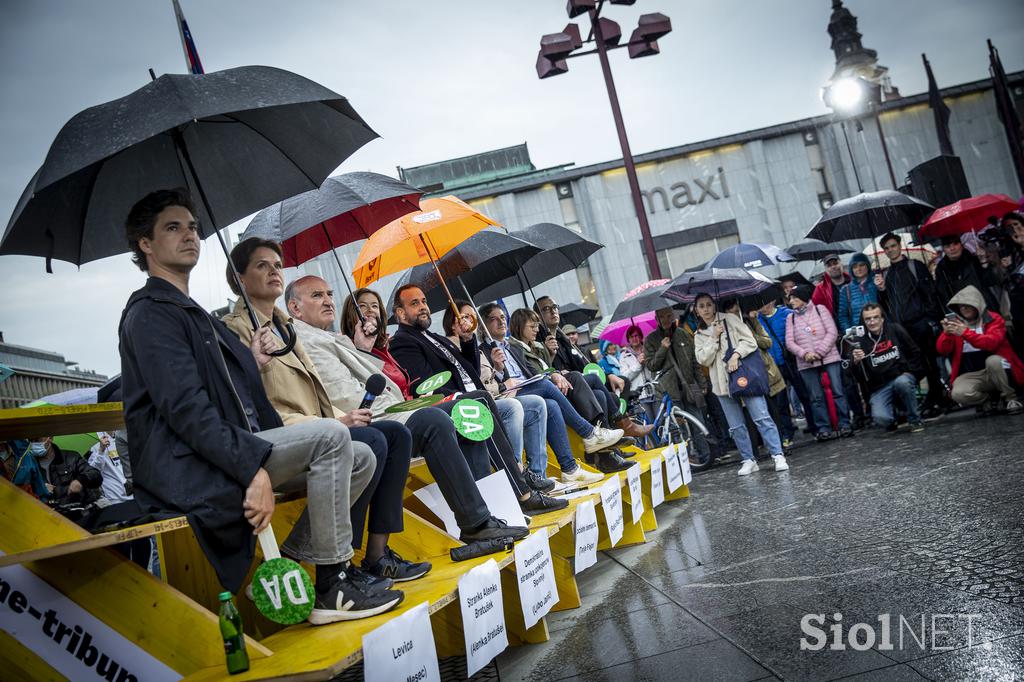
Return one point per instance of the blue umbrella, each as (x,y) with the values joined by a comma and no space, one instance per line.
(719,282)
(749,256)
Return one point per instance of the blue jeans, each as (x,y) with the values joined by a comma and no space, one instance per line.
(812,380)
(534,432)
(548,391)
(512,417)
(882,408)
(757,406)
(557,437)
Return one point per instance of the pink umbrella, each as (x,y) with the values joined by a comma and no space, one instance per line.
(616,331)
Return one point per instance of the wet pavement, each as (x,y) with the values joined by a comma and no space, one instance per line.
(919,537)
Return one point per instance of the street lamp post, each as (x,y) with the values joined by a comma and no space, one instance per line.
(557,47)
(852,97)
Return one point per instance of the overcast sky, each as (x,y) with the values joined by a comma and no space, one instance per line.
(437,80)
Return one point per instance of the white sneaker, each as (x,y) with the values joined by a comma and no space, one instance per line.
(1014,407)
(581,475)
(601,438)
(749,467)
(780,463)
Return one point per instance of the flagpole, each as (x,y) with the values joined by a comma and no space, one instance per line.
(188,45)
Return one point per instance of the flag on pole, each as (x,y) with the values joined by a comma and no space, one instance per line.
(191,54)
(1007,111)
(940,110)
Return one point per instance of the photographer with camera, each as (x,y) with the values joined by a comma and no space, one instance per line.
(1012,260)
(890,363)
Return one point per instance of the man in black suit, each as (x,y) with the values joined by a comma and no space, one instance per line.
(423,354)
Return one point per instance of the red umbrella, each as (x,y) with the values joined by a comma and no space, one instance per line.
(966,215)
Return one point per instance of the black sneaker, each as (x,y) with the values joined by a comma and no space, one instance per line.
(538,483)
(845,432)
(607,461)
(492,529)
(348,599)
(391,565)
(539,503)
(361,577)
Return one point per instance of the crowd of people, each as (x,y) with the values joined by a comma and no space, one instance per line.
(225,419)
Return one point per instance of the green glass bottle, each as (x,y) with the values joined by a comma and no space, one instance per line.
(231,631)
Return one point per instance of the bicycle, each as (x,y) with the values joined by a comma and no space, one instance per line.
(672,424)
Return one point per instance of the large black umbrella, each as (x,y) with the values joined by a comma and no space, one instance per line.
(562,251)
(721,283)
(870,215)
(643,299)
(238,140)
(470,267)
(815,249)
(577,314)
(749,255)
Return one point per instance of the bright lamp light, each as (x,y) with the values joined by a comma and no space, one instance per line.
(846,94)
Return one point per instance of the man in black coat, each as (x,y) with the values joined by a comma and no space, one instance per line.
(423,354)
(69,478)
(205,440)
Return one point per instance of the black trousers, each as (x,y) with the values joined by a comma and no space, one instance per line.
(608,400)
(925,339)
(583,399)
(391,443)
(793,378)
(452,461)
(498,445)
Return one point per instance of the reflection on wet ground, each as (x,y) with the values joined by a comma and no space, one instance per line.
(926,528)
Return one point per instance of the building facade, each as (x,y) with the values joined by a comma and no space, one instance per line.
(38,373)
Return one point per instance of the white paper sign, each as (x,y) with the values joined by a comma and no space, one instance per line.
(501,499)
(402,649)
(586,535)
(611,502)
(70,639)
(537,589)
(483,617)
(684,462)
(657,482)
(636,498)
(673,471)
(431,496)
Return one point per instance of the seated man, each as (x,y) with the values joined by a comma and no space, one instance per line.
(296,392)
(206,442)
(423,354)
(345,363)
(69,478)
(983,362)
(890,363)
(568,357)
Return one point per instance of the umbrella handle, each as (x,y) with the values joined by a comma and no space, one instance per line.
(287,335)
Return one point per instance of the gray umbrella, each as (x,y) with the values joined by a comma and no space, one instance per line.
(869,215)
(238,140)
(563,251)
(815,249)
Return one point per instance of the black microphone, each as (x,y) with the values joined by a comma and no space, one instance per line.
(374,387)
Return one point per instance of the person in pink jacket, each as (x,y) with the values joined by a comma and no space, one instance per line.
(811,336)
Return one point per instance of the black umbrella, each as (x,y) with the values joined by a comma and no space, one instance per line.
(815,249)
(721,283)
(577,314)
(749,255)
(238,140)
(646,300)
(473,265)
(562,251)
(870,215)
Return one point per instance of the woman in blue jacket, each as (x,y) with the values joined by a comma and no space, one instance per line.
(859,290)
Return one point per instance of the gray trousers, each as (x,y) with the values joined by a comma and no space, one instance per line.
(319,456)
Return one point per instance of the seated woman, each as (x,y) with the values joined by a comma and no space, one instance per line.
(571,391)
(550,426)
(719,334)
(296,392)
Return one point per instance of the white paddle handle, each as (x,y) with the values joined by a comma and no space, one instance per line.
(268,543)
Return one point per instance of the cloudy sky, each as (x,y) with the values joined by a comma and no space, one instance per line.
(437,80)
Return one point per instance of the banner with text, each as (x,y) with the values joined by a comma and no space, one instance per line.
(402,649)
(636,498)
(611,503)
(483,617)
(673,472)
(537,589)
(657,482)
(586,535)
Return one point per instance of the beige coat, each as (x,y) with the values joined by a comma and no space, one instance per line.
(344,370)
(711,351)
(291,381)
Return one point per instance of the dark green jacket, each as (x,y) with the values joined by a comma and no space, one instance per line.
(684,381)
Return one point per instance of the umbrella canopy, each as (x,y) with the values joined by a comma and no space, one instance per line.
(417,238)
(563,251)
(870,215)
(815,249)
(966,215)
(750,255)
(719,282)
(616,331)
(646,298)
(238,140)
(577,314)
(346,208)
(474,263)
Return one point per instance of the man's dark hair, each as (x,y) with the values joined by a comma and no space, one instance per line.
(397,300)
(871,306)
(142,219)
(888,237)
(486,309)
(242,254)
(536,303)
(1013,215)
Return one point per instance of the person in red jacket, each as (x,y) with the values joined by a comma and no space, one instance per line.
(984,366)
(826,293)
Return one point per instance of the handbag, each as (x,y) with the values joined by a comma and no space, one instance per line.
(751,377)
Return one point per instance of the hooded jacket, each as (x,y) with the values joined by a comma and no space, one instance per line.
(992,337)
(192,400)
(812,329)
(855,294)
(888,355)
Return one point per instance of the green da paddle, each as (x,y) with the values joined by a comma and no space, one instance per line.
(281,588)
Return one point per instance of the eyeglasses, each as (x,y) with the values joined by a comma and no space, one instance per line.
(549,308)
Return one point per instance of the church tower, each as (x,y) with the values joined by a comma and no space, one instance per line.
(852,58)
